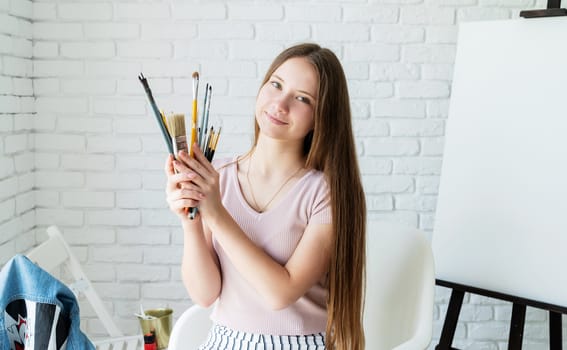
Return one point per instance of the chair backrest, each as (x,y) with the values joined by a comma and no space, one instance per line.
(55,252)
(191,329)
(400,288)
(399,294)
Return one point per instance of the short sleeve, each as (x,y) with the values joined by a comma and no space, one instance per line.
(321,212)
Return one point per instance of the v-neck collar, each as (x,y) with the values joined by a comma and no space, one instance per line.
(285,197)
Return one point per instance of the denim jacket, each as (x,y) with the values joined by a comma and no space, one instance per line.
(37,311)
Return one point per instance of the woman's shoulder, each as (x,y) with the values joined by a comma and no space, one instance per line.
(316,176)
(315,181)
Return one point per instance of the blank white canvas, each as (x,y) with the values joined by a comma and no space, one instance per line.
(501,219)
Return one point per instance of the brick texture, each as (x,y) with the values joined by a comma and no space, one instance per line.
(79,147)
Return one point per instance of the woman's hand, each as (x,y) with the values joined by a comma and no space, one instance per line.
(200,269)
(205,181)
(181,193)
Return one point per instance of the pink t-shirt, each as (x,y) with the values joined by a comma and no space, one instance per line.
(278,231)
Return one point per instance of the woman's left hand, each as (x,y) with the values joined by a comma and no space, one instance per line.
(206,181)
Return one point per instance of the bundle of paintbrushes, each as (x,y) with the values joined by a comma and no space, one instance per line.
(178,132)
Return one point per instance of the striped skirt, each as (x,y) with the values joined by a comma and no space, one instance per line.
(221,338)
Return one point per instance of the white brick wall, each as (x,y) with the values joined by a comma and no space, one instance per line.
(79,147)
(17,198)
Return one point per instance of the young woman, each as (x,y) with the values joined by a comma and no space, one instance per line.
(279,242)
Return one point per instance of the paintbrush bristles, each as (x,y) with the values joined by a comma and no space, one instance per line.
(195,77)
(176,125)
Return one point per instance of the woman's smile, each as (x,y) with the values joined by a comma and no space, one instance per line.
(274,119)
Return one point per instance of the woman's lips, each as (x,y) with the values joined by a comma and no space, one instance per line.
(275,120)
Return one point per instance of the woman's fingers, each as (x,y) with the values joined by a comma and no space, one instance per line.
(190,162)
(197,164)
(181,190)
(169,165)
(184,197)
(192,193)
(205,174)
(181,165)
(170,173)
(191,174)
(201,158)
(175,180)
(180,206)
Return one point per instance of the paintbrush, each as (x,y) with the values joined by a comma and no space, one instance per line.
(193,130)
(207,141)
(193,127)
(209,153)
(176,126)
(164,122)
(205,122)
(210,141)
(202,127)
(212,145)
(157,114)
(215,143)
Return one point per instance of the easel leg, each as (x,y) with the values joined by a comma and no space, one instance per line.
(451,319)
(553,4)
(555,335)
(517,327)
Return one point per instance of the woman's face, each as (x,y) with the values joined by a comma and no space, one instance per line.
(286,103)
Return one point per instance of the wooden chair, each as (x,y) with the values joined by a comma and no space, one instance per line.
(54,253)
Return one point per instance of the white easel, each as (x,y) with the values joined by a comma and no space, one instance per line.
(500,228)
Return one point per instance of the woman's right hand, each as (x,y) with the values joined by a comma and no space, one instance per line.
(180,191)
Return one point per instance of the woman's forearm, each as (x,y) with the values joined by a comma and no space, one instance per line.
(199,269)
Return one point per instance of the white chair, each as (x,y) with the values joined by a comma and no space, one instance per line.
(54,253)
(400,285)
(399,294)
(191,329)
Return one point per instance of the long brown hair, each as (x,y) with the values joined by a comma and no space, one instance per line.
(330,148)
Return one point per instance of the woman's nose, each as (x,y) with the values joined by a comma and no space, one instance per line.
(281,102)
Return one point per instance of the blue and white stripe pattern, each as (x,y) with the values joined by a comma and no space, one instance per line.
(223,338)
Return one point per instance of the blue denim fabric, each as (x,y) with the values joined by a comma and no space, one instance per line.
(24,283)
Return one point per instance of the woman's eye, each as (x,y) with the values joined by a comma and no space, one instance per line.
(276,84)
(304,99)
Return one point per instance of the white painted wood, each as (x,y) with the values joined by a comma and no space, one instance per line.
(55,252)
